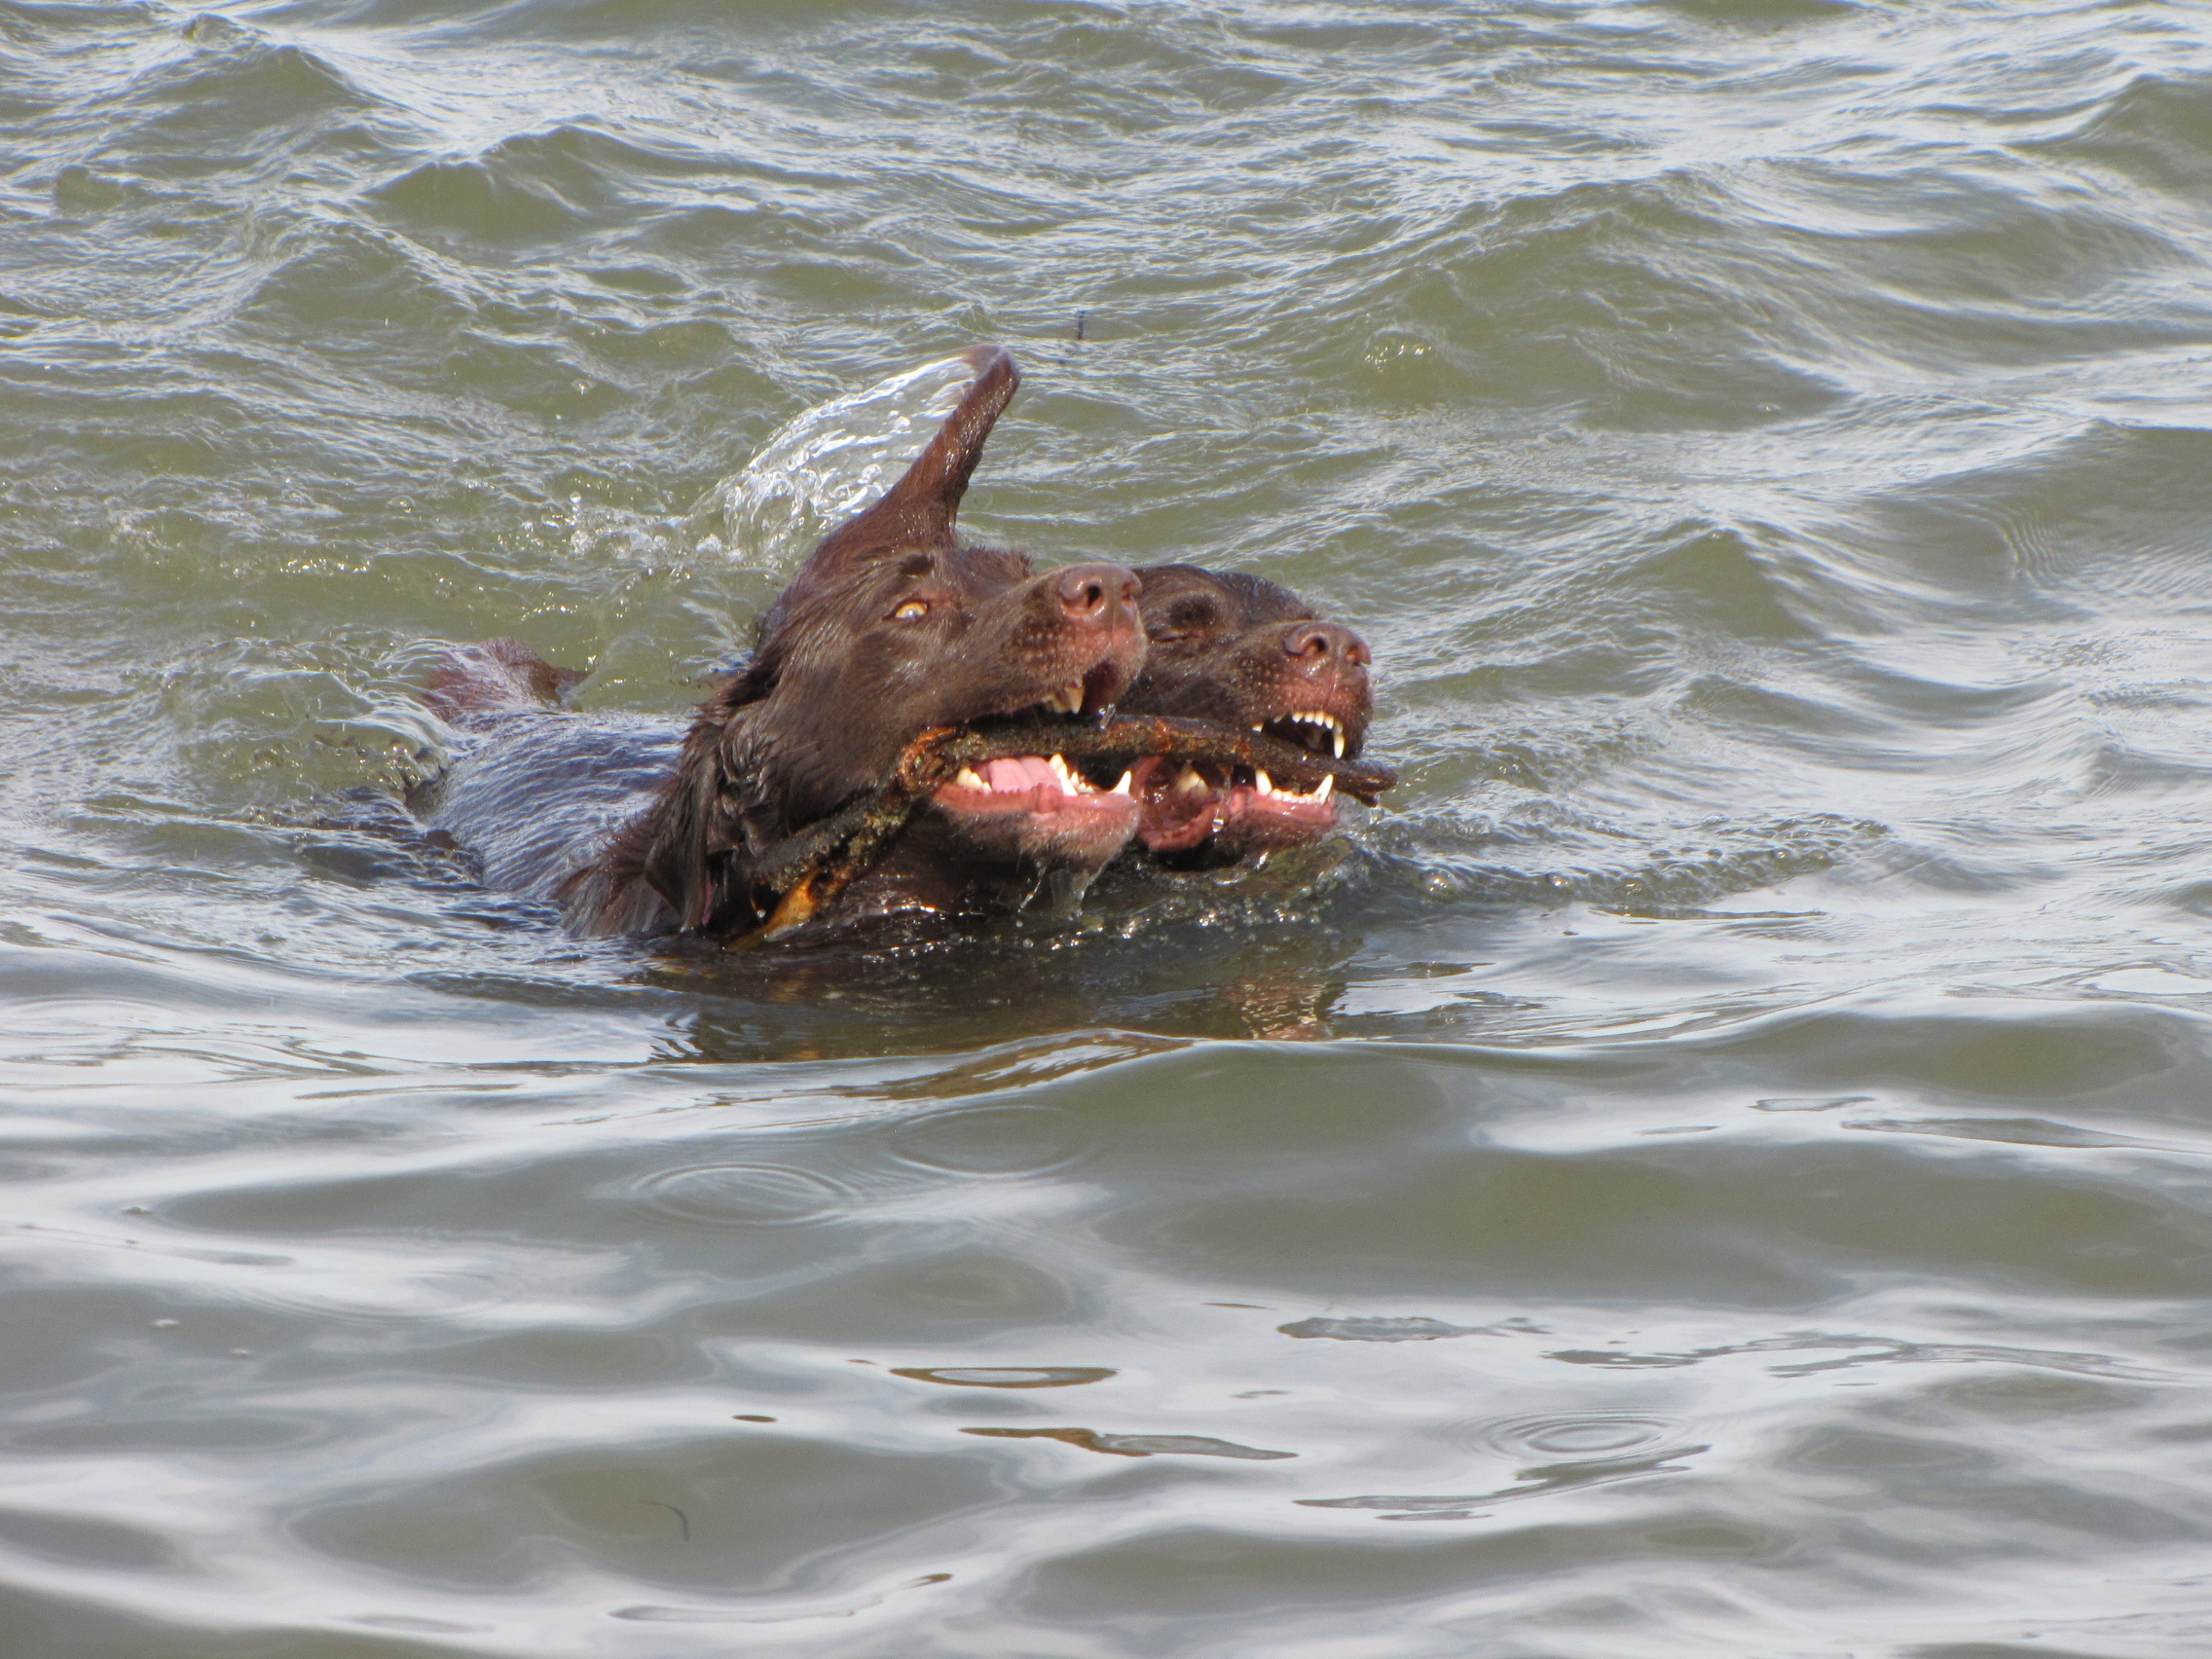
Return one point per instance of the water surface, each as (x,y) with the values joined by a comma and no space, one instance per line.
(1717,1166)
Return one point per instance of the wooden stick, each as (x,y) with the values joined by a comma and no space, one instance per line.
(812,867)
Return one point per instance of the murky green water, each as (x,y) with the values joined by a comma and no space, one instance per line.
(1719,1166)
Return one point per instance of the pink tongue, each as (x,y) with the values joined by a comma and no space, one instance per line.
(1024,772)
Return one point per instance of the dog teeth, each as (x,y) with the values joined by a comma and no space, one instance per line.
(1067,700)
(1123,788)
(1187,782)
(1264,786)
(966,777)
(1328,722)
(1060,772)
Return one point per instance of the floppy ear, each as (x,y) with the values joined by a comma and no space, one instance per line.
(686,846)
(690,846)
(917,511)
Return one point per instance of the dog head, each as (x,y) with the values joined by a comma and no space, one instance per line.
(893,627)
(1244,652)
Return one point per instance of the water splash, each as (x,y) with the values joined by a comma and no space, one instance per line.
(823,466)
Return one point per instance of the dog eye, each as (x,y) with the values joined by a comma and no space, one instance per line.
(912,608)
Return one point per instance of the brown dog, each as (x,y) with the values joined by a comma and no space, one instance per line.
(892,627)
(1249,655)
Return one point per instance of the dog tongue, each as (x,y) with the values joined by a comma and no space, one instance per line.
(1022,772)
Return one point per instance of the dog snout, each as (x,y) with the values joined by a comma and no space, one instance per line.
(1098,593)
(1315,643)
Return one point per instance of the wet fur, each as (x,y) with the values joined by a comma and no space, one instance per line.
(891,628)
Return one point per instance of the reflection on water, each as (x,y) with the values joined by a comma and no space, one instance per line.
(1716,1165)
(1004,1375)
(1136,1445)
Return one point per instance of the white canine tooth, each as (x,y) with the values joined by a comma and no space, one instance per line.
(1322,794)
(1059,765)
(967,779)
(1067,700)
(1187,782)
(1123,788)
(1267,784)
(1337,736)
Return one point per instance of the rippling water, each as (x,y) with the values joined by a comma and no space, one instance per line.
(1718,1166)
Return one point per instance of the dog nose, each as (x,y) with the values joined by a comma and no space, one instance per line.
(1316,642)
(1093,592)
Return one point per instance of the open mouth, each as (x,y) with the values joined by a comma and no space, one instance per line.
(1092,694)
(1038,802)
(1039,807)
(1182,804)
(1170,803)
(1312,730)
(1028,782)
(1043,783)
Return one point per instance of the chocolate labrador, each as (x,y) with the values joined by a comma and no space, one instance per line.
(892,628)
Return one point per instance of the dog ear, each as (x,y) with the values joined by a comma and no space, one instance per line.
(917,511)
(687,845)
(692,848)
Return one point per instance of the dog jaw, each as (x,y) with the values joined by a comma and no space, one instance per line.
(1183,806)
(1038,810)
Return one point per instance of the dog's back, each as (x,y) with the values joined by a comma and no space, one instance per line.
(539,795)
(534,794)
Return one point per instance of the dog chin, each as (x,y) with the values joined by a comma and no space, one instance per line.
(1035,811)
